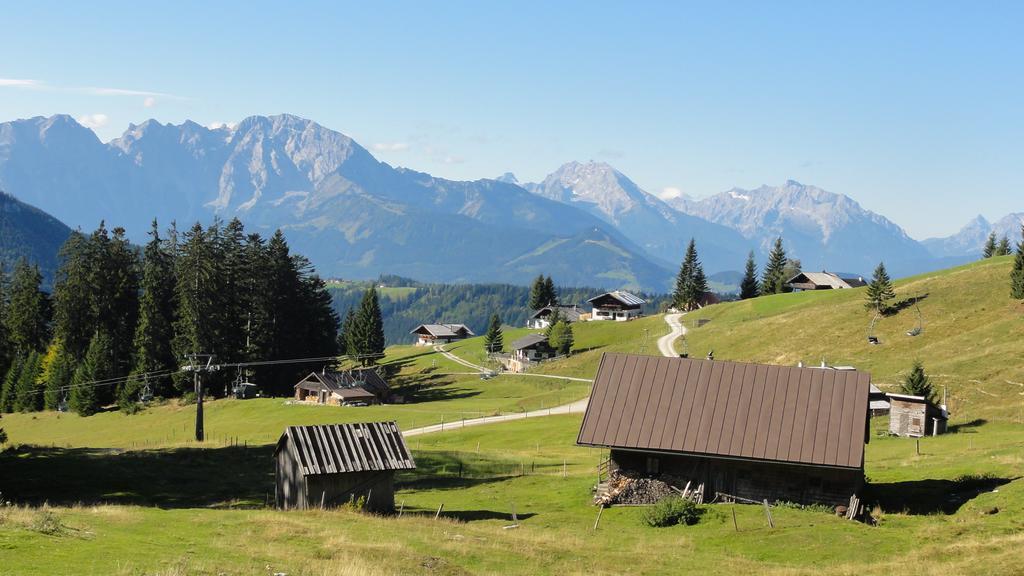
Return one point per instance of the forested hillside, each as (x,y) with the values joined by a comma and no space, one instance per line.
(27,232)
(406,303)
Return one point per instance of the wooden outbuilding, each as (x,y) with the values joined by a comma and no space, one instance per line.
(344,387)
(618,305)
(915,416)
(334,464)
(824,281)
(542,318)
(431,334)
(740,431)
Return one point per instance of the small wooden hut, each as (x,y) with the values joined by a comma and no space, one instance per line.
(330,465)
(915,416)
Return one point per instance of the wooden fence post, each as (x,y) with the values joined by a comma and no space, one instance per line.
(734,523)
(768,513)
(598,520)
(401,508)
(439,508)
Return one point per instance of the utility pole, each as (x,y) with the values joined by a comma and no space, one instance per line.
(199,363)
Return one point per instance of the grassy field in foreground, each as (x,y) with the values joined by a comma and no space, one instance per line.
(436,389)
(973,339)
(174,515)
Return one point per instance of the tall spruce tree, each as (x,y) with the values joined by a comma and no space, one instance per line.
(917,383)
(74,322)
(8,391)
(27,316)
(550,292)
(1003,248)
(494,340)
(98,365)
(27,394)
(346,328)
(153,334)
(990,246)
(366,339)
(880,290)
(691,283)
(196,293)
(1017,273)
(538,295)
(749,286)
(59,372)
(773,279)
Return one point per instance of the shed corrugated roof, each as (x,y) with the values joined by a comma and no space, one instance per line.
(728,409)
(622,296)
(341,448)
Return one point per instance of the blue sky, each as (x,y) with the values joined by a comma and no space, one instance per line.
(915,109)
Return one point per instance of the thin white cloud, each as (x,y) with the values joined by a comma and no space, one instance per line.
(18,83)
(26,84)
(390,146)
(453,159)
(94,121)
(670,192)
(149,102)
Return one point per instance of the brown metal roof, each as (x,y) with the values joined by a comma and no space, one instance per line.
(728,409)
(340,448)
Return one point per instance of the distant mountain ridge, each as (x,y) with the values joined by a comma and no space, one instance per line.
(969,241)
(351,214)
(823,229)
(663,231)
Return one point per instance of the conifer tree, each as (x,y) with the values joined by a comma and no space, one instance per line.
(197,298)
(346,328)
(366,340)
(8,391)
(691,284)
(5,341)
(1003,248)
(27,395)
(27,316)
(494,340)
(749,287)
(561,338)
(154,331)
(917,383)
(1017,274)
(550,292)
(97,365)
(990,246)
(880,290)
(74,322)
(773,279)
(538,296)
(554,318)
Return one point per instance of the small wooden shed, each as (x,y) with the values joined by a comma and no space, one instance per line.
(915,416)
(333,464)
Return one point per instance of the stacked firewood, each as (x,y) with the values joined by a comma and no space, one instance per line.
(626,488)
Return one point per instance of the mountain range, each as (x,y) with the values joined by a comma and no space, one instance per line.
(357,217)
(968,242)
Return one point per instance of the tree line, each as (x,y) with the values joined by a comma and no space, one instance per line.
(121,319)
(691,287)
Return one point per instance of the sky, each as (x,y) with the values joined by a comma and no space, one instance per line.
(914,109)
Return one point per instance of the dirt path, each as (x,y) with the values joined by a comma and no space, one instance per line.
(675,323)
(577,407)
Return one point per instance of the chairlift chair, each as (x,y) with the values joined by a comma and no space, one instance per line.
(62,406)
(919,327)
(872,339)
(146,395)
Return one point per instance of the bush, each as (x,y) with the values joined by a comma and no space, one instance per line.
(672,511)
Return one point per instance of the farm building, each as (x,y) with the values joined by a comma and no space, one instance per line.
(878,401)
(430,334)
(738,431)
(527,350)
(824,281)
(542,318)
(915,416)
(345,387)
(333,464)
(617,305)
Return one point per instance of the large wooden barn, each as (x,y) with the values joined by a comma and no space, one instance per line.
(744,431)
(333,464)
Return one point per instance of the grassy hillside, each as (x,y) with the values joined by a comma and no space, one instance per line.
(436,390)
(973,339)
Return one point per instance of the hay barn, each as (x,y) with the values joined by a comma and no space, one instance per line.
(741,431)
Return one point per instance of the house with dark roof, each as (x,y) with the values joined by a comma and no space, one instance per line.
(431,334)
(745,432)
(343,388)
(331,465)
(618,305)
(542,318)
(528,350)
(824,281)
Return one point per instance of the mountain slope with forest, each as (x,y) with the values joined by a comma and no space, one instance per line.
(27,232)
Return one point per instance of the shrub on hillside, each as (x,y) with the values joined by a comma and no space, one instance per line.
(671,512)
